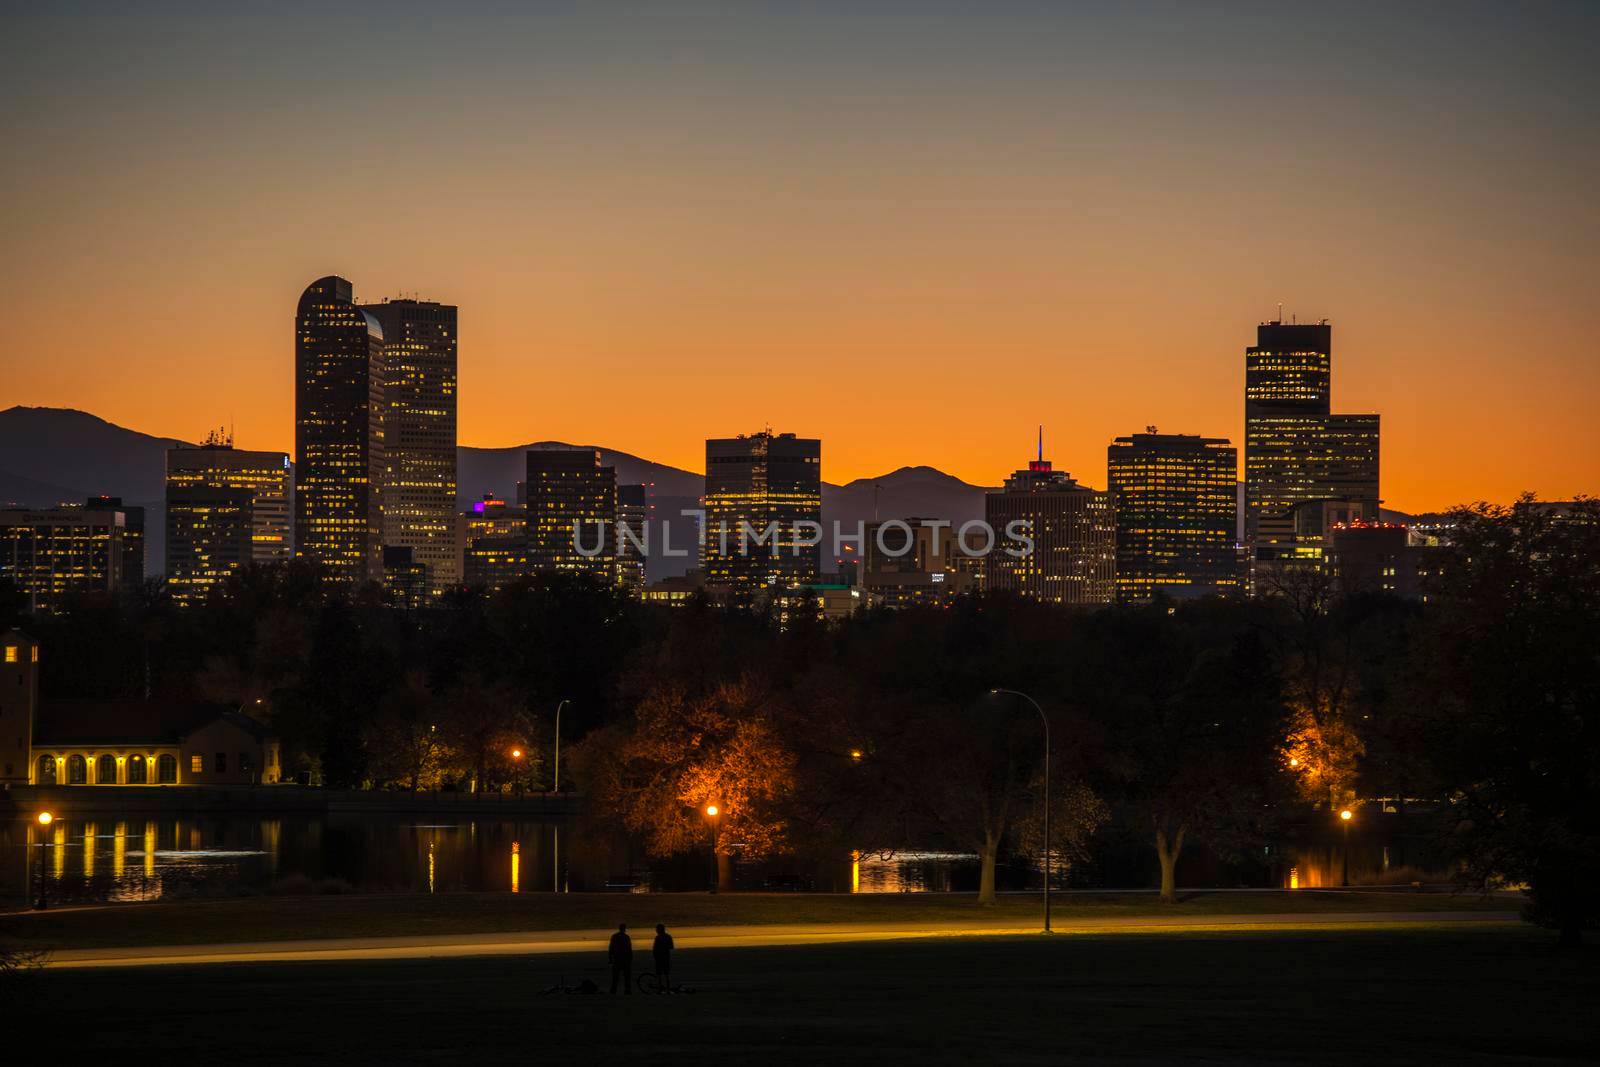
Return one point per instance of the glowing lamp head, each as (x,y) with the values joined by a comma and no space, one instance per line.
(1293,762)
(45,818)
(1345,815)
(516,753)
(855,753)
(711,809)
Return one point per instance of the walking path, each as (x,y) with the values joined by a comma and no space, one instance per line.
(585,941)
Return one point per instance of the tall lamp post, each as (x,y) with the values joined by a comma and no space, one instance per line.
(555,850)
(1344,820)
(558,746)
(43,901)
(712,812)
(1047,851)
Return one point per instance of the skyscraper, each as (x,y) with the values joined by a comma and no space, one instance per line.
(572,513)
(494,539)
(208,538)
(338,437)
(1176,511)
(133,542)
(1350,461)
(633,512)
(1295,451)
(53,554)
(419,434)
(1073,558)
(211,491)
(760,490)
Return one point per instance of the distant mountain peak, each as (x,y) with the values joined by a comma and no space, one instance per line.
(920,474)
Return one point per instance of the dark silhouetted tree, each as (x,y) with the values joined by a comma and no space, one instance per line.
(1506,698)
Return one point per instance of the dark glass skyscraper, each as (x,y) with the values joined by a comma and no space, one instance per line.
(339,438)
(1176,511)
(761,486)
(633,513)
(208,538)
(572,513)
(1295,451)
(419,432)
(133,539)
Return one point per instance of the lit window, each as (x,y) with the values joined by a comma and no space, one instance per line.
(197,763)
(11,653)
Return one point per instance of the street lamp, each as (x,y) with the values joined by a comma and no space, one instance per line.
(712,812)
(45,819)
(516,758)
(1044,719)
(557,787)
(555,850)
(1344,821)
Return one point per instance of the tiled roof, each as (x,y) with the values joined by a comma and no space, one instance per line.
(131,722)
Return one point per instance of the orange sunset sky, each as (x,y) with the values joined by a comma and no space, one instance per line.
(915,231)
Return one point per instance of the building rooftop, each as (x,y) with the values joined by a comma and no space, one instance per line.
(131,722)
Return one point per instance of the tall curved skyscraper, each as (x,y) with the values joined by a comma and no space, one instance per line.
(338,433)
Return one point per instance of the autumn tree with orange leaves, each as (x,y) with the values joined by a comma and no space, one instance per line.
(686,750)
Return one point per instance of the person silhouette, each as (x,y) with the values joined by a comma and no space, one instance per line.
(620,954)
(661,949)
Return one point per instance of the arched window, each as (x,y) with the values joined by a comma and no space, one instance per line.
(166,769)
(47,770)
(106,773)
(136,770)
(77,770)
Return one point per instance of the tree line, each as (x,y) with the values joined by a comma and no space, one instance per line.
(1173,723)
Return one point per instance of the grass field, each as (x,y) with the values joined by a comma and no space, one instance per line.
(294,918)
(1497,993)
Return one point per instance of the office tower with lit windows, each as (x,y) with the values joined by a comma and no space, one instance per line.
(266,476)
(1176,512)
(1073,559)
(419,435)
(226,507)
(1295,449)
(633,512)
(54,554)
(133,541)
(208,539)
(917,561)
(763,503)
(1349,463)
(494,538)
(572,513)
(339,433)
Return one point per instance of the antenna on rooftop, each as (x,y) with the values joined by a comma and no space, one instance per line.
(1280,313)
(1041,442)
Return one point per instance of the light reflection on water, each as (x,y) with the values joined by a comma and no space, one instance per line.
(907,871)
(99,859)
(130,859)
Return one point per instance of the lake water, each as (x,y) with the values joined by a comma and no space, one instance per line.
(86,859)
(82,859)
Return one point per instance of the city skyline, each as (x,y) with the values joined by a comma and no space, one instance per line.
(908,200)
